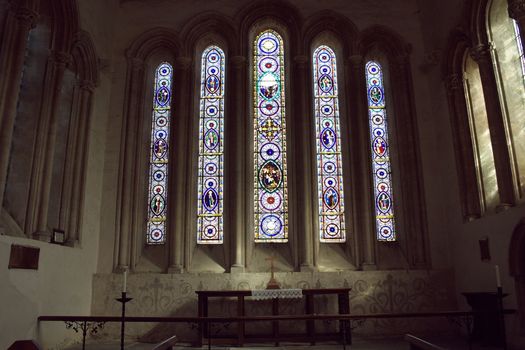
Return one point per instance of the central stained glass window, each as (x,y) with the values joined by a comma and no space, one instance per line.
(328,141)
(381,173)
(211,132)
(158,169)
(270,180)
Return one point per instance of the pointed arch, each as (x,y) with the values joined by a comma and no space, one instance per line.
(210,221)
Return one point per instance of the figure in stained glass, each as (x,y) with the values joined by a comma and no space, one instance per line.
(158,170)
(385,228)
(210,163)
(270,191)
(329,163)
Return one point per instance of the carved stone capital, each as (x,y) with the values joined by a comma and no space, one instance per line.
(26,16)
(87,85)
(453,82)
(183,62)
(61,58)
(517,9)
(480,53)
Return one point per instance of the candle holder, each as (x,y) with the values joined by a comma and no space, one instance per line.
(123,300)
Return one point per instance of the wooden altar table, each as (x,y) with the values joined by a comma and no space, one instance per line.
(311,335)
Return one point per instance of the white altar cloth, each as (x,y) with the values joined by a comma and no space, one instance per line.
(264,294)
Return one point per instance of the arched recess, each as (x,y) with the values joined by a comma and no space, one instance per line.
(203,31)
(411,248)
(143,56)
(56,103)
(458,46)
(517,267)
(482,51)
(340,34)
(286,250)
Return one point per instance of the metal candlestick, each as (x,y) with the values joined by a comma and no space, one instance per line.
(123,300)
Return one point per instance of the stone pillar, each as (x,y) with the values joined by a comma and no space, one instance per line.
(41,171)
(465,162)
(357,102)
(413,208)
(133,107)
(502,159)
(79,141)
(237,140)
(517,12)
(304,121)
(181,116)
(20,18)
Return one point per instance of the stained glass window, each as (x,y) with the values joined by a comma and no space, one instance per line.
(385,225)
(328,141)
(270,181)
(211,132)
(520,46)
(158,169)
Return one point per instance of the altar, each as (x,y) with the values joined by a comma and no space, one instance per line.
(276,295)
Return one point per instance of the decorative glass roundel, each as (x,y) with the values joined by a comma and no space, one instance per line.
(158,169)
(270,177)
(385,225)
(210,223)
(329,165)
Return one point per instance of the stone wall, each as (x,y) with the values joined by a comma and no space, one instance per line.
(372,292)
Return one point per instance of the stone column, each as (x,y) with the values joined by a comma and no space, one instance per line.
(303,151)
(20,18)
(133,103)
(463,147)
(41,171)
(79,140)
(502,159)
(237,140)
(413,209)
(181,116)
(517,12)
(357,102)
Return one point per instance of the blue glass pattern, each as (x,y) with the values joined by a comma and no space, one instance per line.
(270,174)
(382,178)
(328,142)
(158,169)
(211,142)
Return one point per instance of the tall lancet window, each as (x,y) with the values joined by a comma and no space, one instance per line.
(211,132)
(519,47)
(328,141)
(158,169)
(270,182)
(381,173)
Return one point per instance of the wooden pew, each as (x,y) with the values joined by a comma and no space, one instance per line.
(420,344)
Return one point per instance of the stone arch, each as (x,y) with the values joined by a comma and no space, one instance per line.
(65,24)
(342,28)
(459,44)
(209,23)
(517,267)
(85,58)
(152,41)
(412,248)
(276,10)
